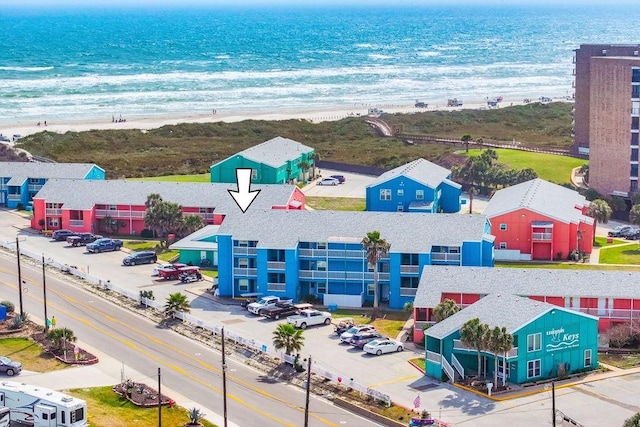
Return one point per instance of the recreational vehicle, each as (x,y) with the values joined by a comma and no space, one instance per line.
(40,407)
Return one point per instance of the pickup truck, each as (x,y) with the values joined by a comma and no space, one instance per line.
(82,239)
(104,245)
(283,309)
(310,318)
(264,302)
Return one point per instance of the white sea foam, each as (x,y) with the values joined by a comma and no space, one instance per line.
(25,69)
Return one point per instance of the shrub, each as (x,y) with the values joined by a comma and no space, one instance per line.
(147,233)
(311,299)
(20,207)
(16,323)
(11,307)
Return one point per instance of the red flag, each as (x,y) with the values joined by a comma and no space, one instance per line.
(416,402)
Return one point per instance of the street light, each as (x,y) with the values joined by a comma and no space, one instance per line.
(224,380)
(19,275)
(306,404)
(44,295)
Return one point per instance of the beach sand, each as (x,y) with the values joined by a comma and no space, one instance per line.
(153,122)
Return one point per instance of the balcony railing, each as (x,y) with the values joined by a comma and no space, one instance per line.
(410,269)
(207,216)
(35,187)
(3,187)
(101,213)
(445,257)
(420,324)
(241,271)
(276,287)
(458,345)
(434,357)
(53,212)
(275,265)
(14,197)
(76,222)
(244,250)
(331,253)
(341,275)
(312,253)
(408,292)
(542,236)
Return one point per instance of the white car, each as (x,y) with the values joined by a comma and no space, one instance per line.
(380,346)
(329,181)
(357,329)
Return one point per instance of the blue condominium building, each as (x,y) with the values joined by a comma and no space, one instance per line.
(294,254)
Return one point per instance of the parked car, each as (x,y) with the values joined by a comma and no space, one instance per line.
(190,274)
(104,245)
(328,181)
(356,329)
(630,233)
(10,367)
(4,138)
(341,179)
(16,136)
(82,239)
(61,235)
(166,267)
(142,257)
(342,325)
(618,230)
(363,338)
(381,346)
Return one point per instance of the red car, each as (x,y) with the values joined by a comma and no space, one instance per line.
(171,271)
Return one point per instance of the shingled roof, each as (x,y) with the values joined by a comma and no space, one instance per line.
(21,171)
(420,170)
(274,152)
(543,197)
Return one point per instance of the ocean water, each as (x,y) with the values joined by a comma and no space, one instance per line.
(74,64)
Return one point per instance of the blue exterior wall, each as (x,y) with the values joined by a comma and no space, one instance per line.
(445,197)
(95,173)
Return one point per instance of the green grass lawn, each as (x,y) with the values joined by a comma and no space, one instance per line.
(601,241)
(624,254)
(336,203)
(624,361)
(150,245)
(30,354)
(391,325)
(107,409)
(549,167)
(419,362)
(210,273)
(205,177)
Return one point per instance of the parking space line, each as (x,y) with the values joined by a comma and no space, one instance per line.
(604,398)
(396,380)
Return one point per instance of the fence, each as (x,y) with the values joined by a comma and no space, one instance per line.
(249,343)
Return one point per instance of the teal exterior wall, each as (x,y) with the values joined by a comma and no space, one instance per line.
(225,171)
(96,172)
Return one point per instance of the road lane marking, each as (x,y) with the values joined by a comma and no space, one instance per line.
(615,402)
(177,350)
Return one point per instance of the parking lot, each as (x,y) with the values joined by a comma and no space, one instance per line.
(354,186)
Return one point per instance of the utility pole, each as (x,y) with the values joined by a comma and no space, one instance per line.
(44,296)
(306,404)
(553,403)
(224,381)
(159,400)
(19,276)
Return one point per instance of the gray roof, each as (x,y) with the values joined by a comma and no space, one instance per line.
(195,240)
(435,280)
(406,232)
(274,152)
(420,170)
(85,194)
(21,171)
(540,196)
(500,309)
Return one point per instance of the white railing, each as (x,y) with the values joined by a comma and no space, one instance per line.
(445,257)
(434,357)
(3,187)
(410,269)
(76,222)
(458,345)
(101,213)
(275,265)
(276,287)
(446,367)
(206,216)
(456,364)
(35,187)
(420,324)
(241,271)
(53,212)
(244,250)
(342,253)
(14,197)
(341,275)
(542,236)
(312,253)
(408,292)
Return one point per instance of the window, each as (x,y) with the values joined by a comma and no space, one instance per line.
(254,173)
(53,222)
(62,418)
(243,262)
(321,287)
(409,282)
(501,366)
(635,75)
(534,342)
(243,285)
(634,139)
(634,170)
(635,91)
(533,368)
(113,208)
(634,154)
(370,289)
(385,194)
(409,259)
(322,245)
(34,180)
(322,265)
(635,121)
(243,243)
(587,358)
(633,186)
(503,227)
(419,194)
(503,245)
(400,208)
(400,192)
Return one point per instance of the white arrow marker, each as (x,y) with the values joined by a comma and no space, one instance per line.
(244,196)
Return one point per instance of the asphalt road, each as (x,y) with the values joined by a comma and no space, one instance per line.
(187,367)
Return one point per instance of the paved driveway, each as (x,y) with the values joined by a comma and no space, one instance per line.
(354,186)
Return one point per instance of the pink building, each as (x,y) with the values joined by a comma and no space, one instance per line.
(83,205)
(539,220)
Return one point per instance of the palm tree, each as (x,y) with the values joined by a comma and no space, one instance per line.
(472,334)
(191,224)
(377,248)
(314,157)
(287,337)
(506,346)
(600,211)
(176,302)
(446,308)
(58,336)
(304,167)
(472,192)
(465,140)
(494,339)
(164,218)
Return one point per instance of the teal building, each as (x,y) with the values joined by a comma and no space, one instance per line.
(277,161)
(549,341)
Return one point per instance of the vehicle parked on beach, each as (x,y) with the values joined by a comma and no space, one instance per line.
(454,102)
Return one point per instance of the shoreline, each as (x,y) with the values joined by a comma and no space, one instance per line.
(314,115)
